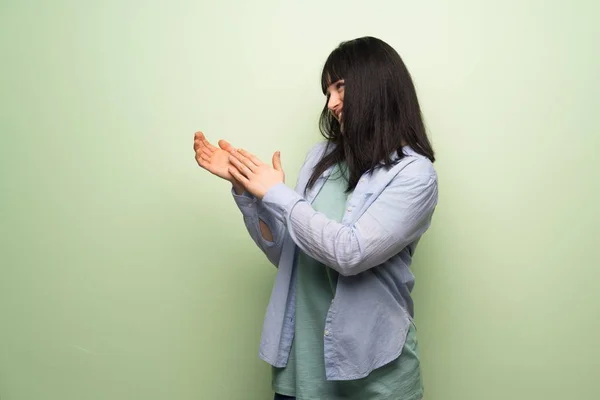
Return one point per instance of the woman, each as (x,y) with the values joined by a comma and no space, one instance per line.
(339,324)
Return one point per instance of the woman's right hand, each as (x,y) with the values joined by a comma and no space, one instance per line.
(214,159)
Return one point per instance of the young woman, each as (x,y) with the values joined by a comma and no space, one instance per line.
(339,324)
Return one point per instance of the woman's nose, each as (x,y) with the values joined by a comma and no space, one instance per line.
(334,102)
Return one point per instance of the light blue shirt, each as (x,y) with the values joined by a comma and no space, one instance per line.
(371,248)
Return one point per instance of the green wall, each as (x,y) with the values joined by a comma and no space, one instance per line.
(125,270)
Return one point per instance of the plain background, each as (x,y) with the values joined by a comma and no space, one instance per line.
(125,270)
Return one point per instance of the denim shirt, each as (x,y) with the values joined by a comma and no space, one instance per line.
(371,248)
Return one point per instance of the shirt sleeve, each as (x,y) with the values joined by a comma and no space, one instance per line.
(253,212)
(399,216)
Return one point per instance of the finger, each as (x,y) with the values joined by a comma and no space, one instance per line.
(204,157)
(200,147)
(244,160)
(240,166)
(277,161)
(202,162)
(250,157)
(206,150)
(199,136)
(210,146)
(238,176)
(225,145)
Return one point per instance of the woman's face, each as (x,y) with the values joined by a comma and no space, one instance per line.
(335,103)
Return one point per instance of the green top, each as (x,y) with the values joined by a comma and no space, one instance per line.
(304,375)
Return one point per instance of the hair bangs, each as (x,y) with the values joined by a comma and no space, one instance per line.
(335,69)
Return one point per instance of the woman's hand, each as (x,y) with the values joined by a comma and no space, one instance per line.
(256,176)
(213,159)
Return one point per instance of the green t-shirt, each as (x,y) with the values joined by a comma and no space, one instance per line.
(304,375)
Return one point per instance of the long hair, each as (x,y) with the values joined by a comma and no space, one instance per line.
(381,112)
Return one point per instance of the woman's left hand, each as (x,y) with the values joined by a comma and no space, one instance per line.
(256,176)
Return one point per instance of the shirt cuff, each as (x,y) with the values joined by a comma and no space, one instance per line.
(246,202)
(281,199)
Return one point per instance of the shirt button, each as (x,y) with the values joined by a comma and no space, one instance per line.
(326,333)
(349,209)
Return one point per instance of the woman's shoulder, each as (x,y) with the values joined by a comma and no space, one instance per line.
(412,164)
(415,164)
(319,149)
(315,153)
(419,165)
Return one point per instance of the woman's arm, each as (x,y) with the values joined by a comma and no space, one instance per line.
(267,232)
(399,216)
(263,229)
